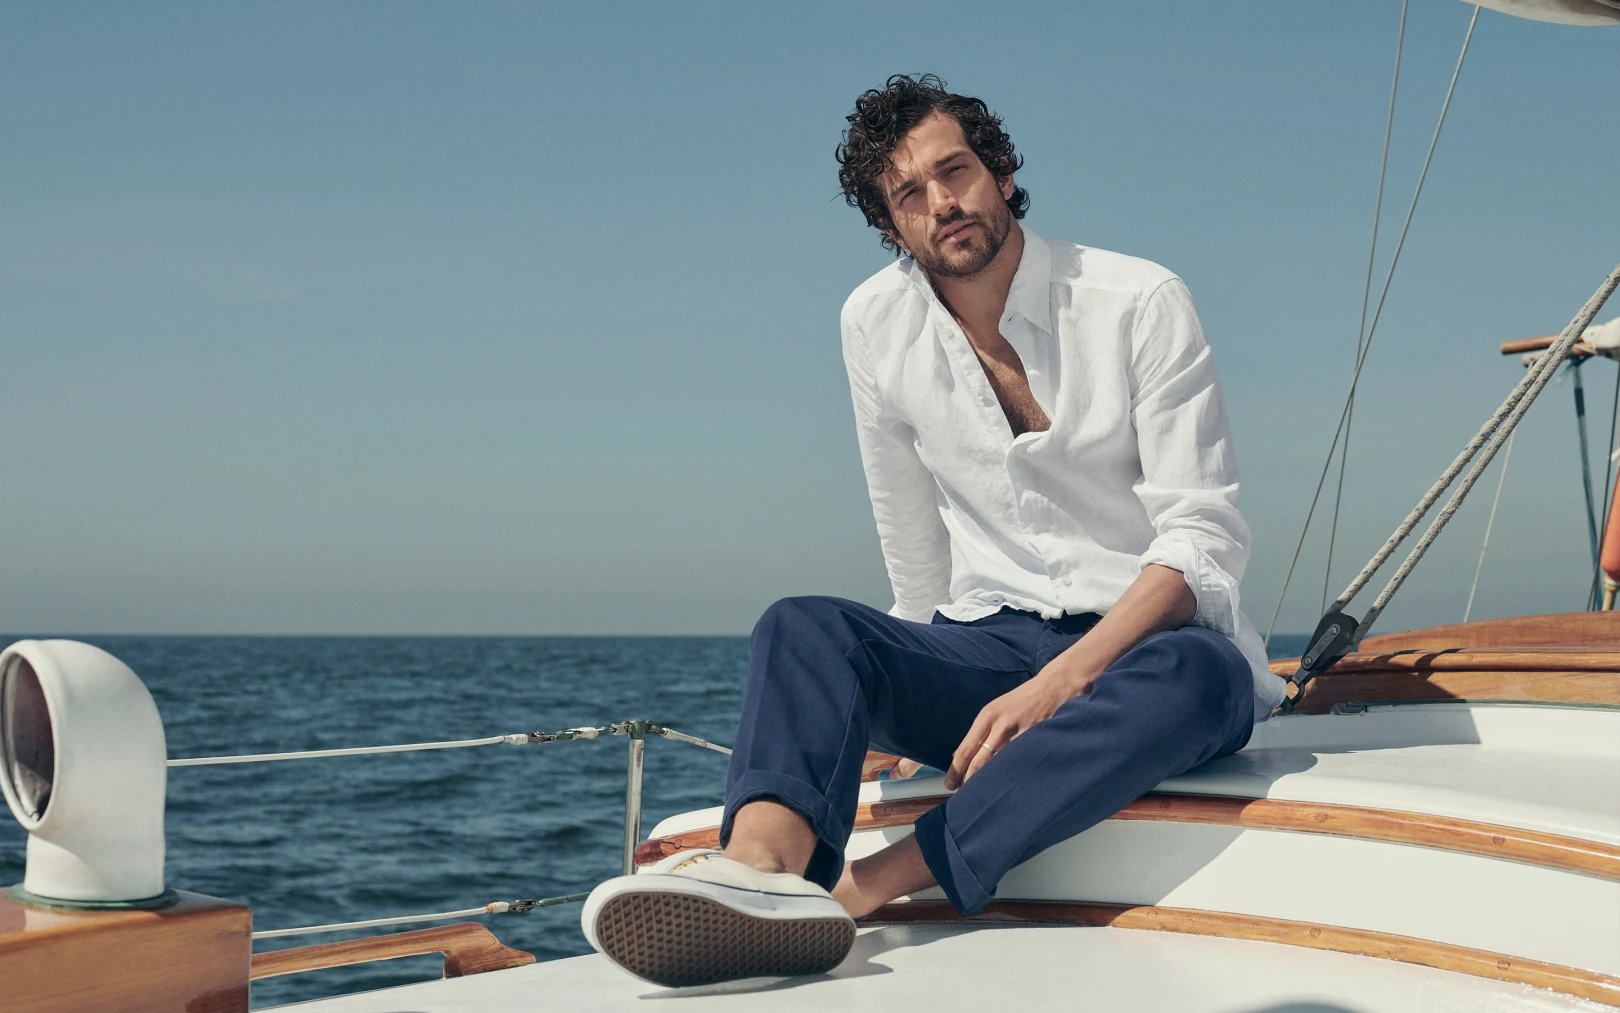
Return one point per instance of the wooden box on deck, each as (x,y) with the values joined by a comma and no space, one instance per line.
(191,957)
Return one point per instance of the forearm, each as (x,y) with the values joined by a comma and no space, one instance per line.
(1157,600)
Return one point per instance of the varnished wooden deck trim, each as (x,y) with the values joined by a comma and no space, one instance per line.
(1392,685)
(1479,659)
(468,948)
(1508,843)
(1590,985)
(1591,630)
(1546,660)
(877,763)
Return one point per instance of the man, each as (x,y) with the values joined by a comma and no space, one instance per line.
(1051,471)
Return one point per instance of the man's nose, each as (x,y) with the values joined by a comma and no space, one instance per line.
(941,201)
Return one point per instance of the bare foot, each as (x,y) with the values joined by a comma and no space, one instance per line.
(869,883)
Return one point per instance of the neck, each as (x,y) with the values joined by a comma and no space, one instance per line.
(978,300)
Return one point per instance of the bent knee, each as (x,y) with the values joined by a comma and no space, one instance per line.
(1205,670)
(823,613)
(796,609)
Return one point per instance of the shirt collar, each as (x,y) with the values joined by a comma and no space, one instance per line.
(1031,293)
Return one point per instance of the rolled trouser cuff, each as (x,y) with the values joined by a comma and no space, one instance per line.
(827,863)
(944,859)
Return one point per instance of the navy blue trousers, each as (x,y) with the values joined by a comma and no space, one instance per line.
(827,678)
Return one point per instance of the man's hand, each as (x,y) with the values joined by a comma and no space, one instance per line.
(1157,600)
(1011,715)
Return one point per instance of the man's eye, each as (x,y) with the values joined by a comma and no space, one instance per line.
(954,169)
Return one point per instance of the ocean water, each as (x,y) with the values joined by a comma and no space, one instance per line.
(308,842)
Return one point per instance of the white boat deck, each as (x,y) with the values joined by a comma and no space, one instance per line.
(973,969)
(1549,769)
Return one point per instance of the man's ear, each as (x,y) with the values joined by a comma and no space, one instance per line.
(1006,185)
(894,237)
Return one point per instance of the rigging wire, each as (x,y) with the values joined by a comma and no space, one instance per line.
(1501,480)
(1337,634)
(1366,346)
(1366,293)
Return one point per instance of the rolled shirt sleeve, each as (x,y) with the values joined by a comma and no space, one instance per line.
(1189,483)
(916,546)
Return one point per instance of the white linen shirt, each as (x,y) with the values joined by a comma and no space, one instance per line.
(1136,468)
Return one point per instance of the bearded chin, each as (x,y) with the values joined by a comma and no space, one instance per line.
(969,261)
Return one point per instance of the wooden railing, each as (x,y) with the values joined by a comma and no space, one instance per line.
(468,948)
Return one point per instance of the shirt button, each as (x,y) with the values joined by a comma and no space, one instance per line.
(1032,529)
(1064,581)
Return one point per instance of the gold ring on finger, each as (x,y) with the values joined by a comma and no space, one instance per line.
(986,746)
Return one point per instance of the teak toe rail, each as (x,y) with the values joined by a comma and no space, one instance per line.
(1592,631)
(1591,985)
(1532,675)
(468,948)
(1422,829)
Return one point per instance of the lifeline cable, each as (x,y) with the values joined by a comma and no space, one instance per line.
(495,907)
(518,739)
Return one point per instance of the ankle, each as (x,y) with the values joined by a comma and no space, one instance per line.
(758,858)
(770,837)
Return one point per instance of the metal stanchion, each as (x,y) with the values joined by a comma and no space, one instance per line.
(632,793)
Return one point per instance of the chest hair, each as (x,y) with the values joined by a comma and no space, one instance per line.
(1005,371)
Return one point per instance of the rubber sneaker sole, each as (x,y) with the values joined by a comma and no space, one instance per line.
(677,939)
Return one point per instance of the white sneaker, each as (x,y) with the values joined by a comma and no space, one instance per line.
(697,917)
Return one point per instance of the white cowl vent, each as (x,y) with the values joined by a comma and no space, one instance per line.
(83,765)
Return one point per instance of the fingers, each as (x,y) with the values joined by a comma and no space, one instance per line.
(904,769)
(964,752)
(998,737)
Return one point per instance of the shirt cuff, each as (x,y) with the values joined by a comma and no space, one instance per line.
(1212,587)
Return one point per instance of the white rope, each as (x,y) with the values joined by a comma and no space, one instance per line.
(312,754)
(497,907)
(1501,480)
(1496,430)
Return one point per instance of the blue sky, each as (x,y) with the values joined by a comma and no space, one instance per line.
(522,318)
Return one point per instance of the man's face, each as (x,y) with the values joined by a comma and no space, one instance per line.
(949,211)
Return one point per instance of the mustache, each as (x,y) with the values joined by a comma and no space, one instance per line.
(953,221)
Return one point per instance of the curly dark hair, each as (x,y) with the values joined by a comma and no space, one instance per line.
(882,118)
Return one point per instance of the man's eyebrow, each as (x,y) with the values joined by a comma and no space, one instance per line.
(941,163)
(894,191)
